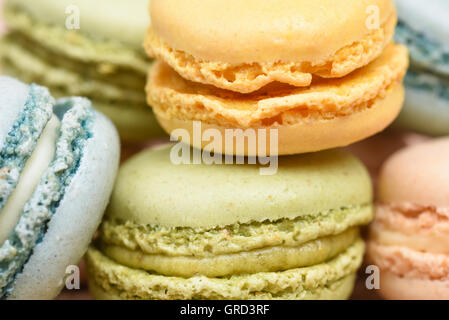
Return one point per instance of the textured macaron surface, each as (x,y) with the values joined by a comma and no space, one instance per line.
(32,224)
(331,280)
(103,59)
(173,97)
(244,45)
(19,143)
(152,190)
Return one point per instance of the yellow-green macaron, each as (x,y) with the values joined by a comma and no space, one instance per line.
(84,48)
(227,232)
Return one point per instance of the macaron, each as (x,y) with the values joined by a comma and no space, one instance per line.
(227,232)
(409,237)
(244,45)
(424,27)
(58,162)
(329,113)
(73,50)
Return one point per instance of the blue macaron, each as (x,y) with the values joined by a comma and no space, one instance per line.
(424,27)
(58,161)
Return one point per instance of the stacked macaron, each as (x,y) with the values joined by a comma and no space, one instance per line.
(315,71)
(58,161)
(84,48)
(323,73)
(227,232)
(424,28)
(409,240)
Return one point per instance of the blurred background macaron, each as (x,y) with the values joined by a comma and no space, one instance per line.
(424,27)
(58,161)
(316,71)
(409,239)
(227,232)
(84,48)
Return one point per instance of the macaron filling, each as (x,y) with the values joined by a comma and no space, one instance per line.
(29,179)
(409,263)
(430,82)
(173,97)
(22,139)
(419,227)
(331,280)
(424,52)
(38,210)
(237,238)
(269,259)
(267,246)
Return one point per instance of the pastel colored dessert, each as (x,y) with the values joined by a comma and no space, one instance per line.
(226,232)
(424,28)
(409,237)
(330,113)
(245,45)
(58,161)
(102,60)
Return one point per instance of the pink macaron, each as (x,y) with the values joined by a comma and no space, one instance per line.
(409,239)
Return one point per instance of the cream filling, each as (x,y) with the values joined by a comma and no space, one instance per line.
(434,243)
(29,179)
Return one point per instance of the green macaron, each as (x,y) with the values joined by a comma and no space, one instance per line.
(227,232)
(73,50)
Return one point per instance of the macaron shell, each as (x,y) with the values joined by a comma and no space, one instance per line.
(401,266)
(71,228)
(406,172)
(111,23)
(314,136)
(268,31)
(245,45)
(400,288)
(339,291)
(277,104)
(150,189)
(249,77)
